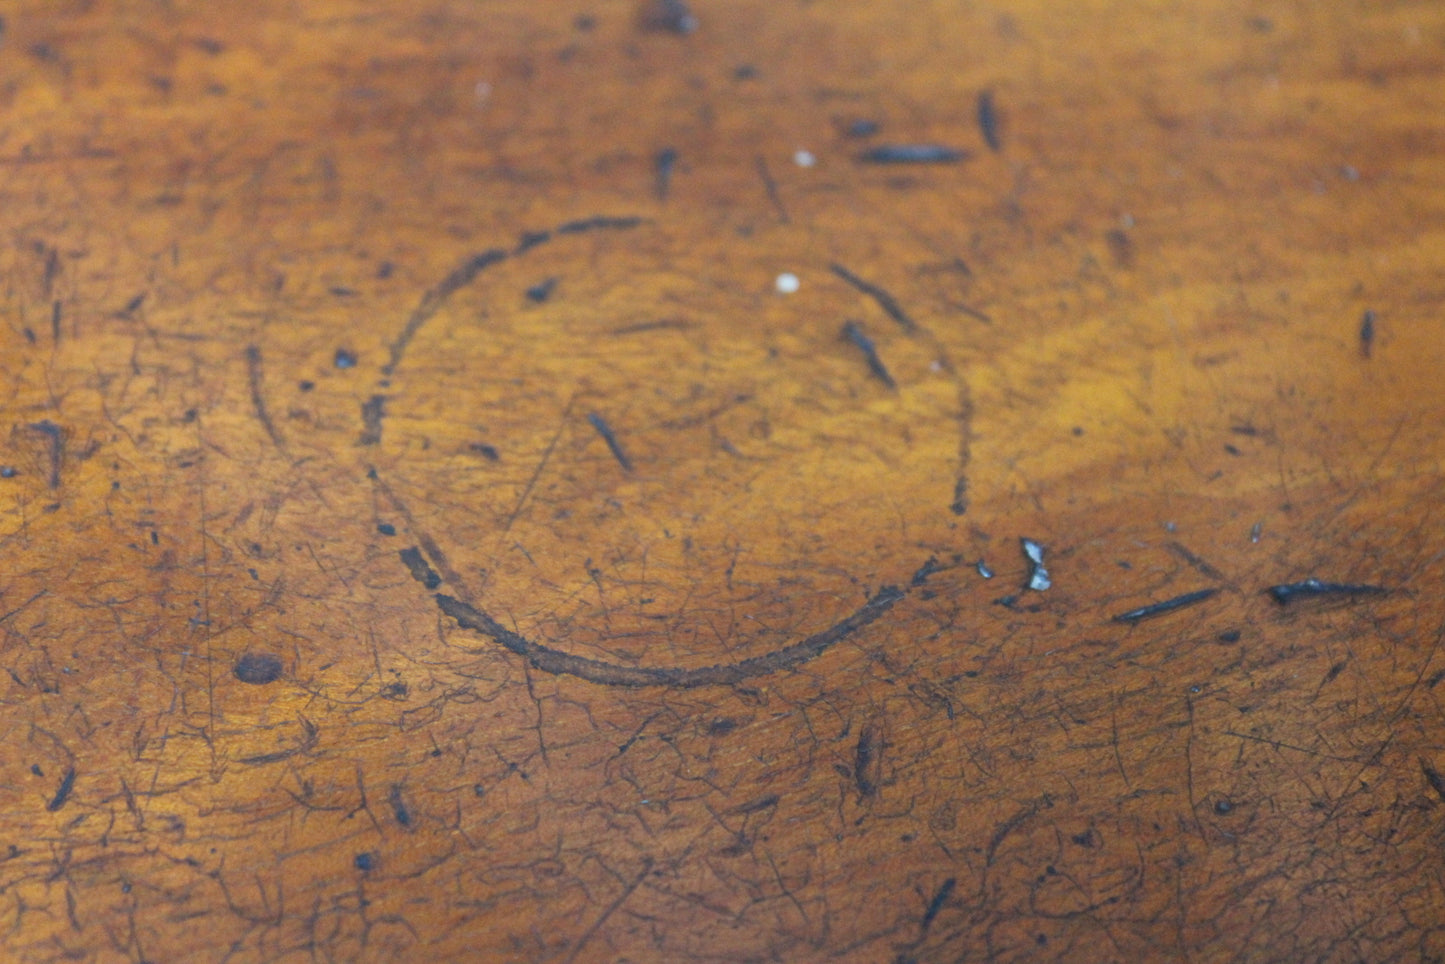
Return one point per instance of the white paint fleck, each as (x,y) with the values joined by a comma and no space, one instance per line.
(787,283)
(804,158)
(1039,576)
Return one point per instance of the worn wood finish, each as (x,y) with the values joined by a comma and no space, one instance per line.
(358,604)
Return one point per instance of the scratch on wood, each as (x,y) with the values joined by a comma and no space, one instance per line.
(854,333)
(771,186)
(398,805)
(611,909)
(988,120)
(67,784)
(936,904)
(882,298)
(1433,777)
(432,302)
(1308,588)
(1204,568)
(56,456)
(611,674)
(868,759)
(1168,605)
(420,571)
(608,436)
(255,377)
(373,410)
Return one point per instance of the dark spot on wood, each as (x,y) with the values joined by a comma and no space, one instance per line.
(67,784)
(417,566)
(258,669)
(542,290)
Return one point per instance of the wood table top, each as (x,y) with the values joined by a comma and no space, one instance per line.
(866,481)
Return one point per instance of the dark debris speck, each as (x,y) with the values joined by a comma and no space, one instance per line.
(345,358)
(258,669)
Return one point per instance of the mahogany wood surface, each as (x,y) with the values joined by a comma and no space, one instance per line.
(428,533)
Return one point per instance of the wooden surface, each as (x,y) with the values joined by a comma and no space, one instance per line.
(333,628)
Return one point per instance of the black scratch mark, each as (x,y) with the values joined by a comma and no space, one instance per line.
(532,239)
(610,674)
(925,570)
(432,302)
(610,909)
(311,734)
(52,270)
(1168,605)
(855,334)
(988,120)
(959,505)
(467,272)
(868,760)
(936,904)
(56,457)
(1367,334)
(1204,568)
(542,290)
(1311,588)
(255,377)
(373,410)
(882,298)
(608,436)
(771,186)
(761,803)
(416,564)
(913,154)
(599,223)
(67,784)
(663,165)
(1433,777)
(398,805)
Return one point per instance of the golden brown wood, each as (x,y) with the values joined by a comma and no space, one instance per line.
(296,458)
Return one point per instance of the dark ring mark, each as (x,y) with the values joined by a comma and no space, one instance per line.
(461,276)
(610,674)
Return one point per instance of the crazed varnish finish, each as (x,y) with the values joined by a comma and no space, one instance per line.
(861,481)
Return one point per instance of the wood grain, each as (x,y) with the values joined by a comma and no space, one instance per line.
(427,532)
